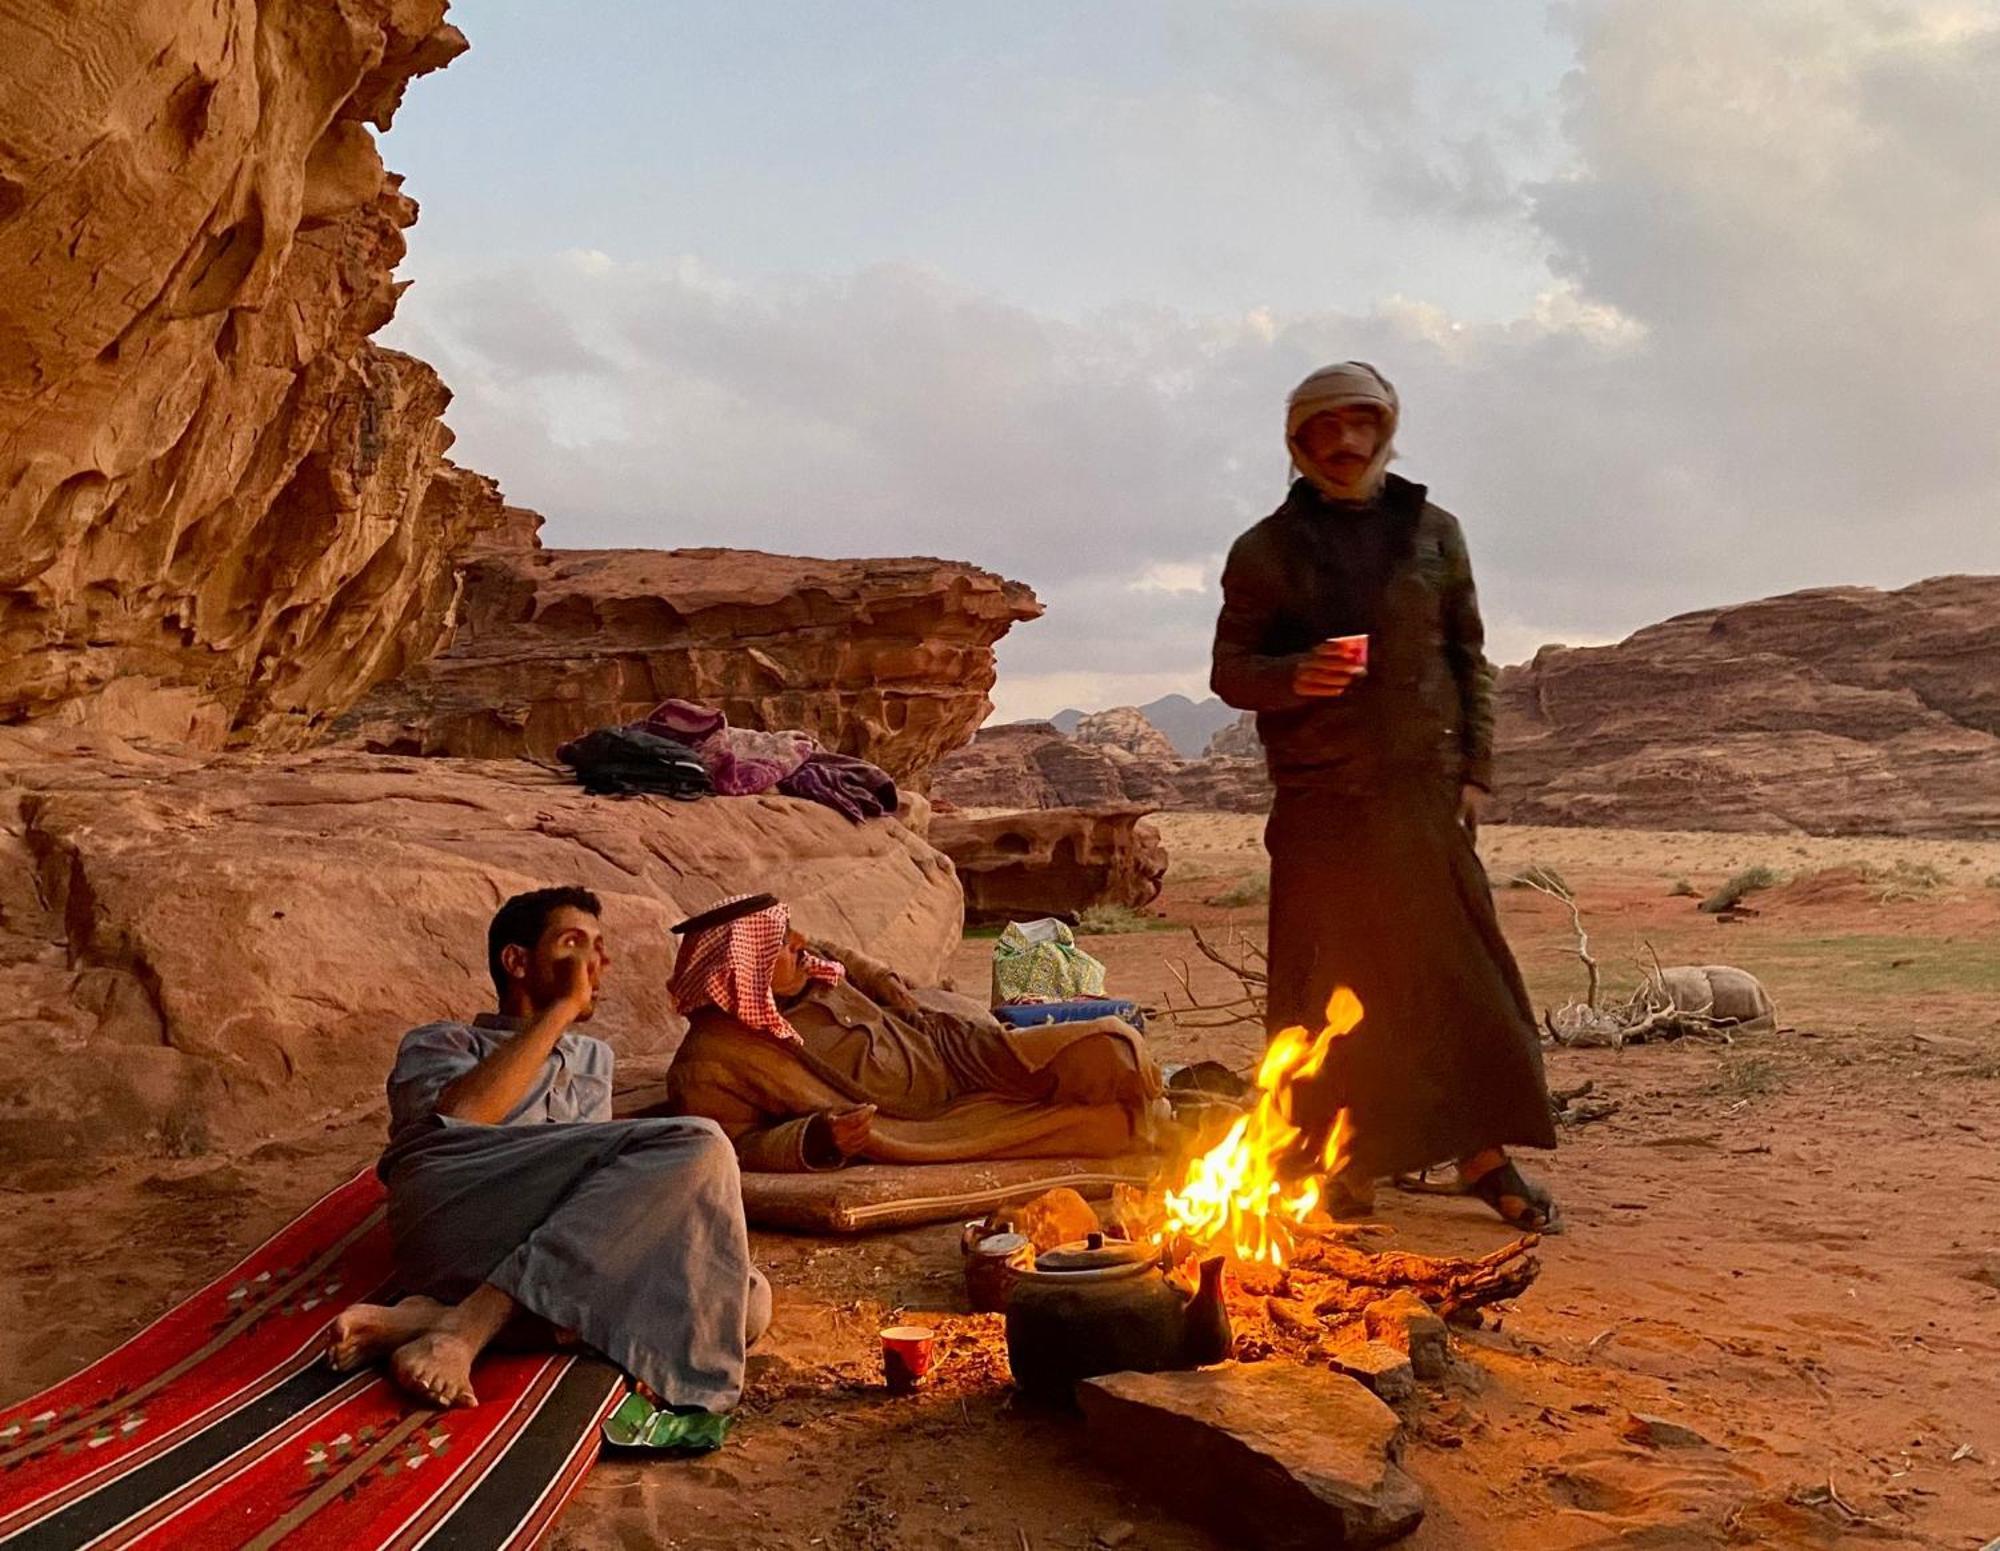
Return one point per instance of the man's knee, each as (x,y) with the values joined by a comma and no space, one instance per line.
(684,1145)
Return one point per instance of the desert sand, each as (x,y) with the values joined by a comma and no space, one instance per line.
(1790,1244)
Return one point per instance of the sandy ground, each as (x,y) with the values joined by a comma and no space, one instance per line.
(1791,1245)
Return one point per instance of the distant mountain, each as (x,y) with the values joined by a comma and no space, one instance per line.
(1188,724)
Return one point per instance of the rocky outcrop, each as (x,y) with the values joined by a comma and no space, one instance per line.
(224,513)
(1051,862)
(202,952)
(887,659)
(1032,765)
(1236,741)
(1126,728)
(1841,710)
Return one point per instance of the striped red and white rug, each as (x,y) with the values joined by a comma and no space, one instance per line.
(219,1425)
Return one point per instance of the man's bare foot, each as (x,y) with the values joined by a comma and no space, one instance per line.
(437,1367)
(371,1330)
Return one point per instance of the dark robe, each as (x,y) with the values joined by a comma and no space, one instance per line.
(1375,885)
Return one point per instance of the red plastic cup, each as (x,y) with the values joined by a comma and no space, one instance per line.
(906,1356)
(1352,648)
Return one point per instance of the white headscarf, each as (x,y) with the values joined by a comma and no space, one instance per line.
(1350,382)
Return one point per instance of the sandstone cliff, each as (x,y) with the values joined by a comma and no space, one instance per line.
(202,952)
(1840,710)
(887,659)
(1126,728)
(1024,765)
(1056,862)
(223,512)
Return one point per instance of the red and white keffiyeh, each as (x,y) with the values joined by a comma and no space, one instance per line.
(729,966)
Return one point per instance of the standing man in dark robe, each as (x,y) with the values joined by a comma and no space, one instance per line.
(1382,758)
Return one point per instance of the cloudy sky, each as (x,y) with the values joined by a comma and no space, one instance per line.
(1689,302)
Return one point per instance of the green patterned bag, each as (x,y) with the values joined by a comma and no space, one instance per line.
(1039,961)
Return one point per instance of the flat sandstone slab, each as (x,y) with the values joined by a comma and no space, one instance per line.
(1276,1456)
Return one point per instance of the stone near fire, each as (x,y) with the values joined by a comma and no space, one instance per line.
(1407,1323)
(1383,1369)
(224,511)
(1054,862)
(1274,1456)
(204,952)
(890,660)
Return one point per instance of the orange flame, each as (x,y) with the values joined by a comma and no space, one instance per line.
(1232,1194)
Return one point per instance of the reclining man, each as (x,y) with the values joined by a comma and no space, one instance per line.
(518,1205)
(811,1057)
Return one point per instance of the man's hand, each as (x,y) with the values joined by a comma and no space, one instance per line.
(1327,673)
(1471,806)
(577,993)
(836,1135)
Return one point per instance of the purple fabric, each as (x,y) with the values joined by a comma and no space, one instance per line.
(685,720)
(739,762)
(845,784)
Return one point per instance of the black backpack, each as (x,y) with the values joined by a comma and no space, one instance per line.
(623,761)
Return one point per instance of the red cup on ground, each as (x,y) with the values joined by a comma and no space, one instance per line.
(1352,648)
(906,1356)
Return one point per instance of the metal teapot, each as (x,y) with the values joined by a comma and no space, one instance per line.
(1105,1306)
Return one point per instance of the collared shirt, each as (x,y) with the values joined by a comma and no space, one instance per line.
(573,1084)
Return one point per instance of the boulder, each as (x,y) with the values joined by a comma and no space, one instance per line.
(890,660)
(1720,991)
(203,952)
(1840,710)
(1051,862)
(224,512)
(1274,1456)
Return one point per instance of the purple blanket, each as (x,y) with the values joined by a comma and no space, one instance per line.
(846,784)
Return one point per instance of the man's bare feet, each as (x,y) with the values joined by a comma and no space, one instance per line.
(371,1330)
(437,1367)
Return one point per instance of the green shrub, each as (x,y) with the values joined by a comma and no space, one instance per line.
(1906,881)
(1115,920)
(1246,891)
(1539,875)
(1683,889)
(1740,887)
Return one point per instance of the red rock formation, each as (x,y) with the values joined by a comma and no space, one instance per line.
(202,953)
(1237,741)
(1032,765)
(1054,861)
(1125,728)
(1836,711)
(887,659)
(223,512)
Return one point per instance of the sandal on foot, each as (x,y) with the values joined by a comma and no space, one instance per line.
(1537,1210)
(1421,1184)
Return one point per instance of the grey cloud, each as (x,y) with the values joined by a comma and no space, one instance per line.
(1777,364)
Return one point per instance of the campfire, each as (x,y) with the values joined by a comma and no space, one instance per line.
(1297,1283)
(1234,1195)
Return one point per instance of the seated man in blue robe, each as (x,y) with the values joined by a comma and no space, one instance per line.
(519,1205)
